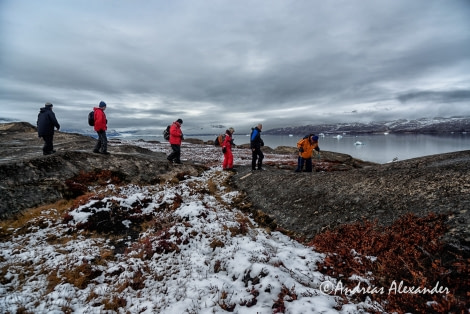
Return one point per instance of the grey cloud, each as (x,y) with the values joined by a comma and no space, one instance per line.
(235,63)
(436,96)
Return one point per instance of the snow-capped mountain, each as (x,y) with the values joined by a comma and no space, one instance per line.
(423,125)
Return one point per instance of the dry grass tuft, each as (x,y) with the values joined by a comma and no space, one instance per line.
(244,225)
(114,304)
(216,243)
(286,294)
(38,217)
(79,276)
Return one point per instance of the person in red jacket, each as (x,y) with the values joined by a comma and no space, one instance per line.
(101,125)
(176,136)
(227,150)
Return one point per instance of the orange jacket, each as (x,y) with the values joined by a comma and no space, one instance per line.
(307,145)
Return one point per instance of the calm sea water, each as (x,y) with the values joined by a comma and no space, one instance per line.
(378,148)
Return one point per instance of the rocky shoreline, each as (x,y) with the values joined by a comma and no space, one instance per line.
(342,191)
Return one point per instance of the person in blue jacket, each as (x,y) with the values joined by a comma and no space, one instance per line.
(255,143)
(46,123)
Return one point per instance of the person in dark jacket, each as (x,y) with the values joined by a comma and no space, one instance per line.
(176,136)
(101,126)
(255,143)
(46,123)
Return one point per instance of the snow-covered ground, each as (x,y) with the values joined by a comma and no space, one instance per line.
(197,254)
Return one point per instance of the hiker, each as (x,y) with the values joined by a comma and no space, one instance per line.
(46,123)
(255,143)
(306,146)
(227,150)
(176,136)
(101,125)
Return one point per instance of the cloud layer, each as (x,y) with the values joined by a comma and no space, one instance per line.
(234,63)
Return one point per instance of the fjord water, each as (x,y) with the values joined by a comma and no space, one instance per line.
(383,148)
(379,148)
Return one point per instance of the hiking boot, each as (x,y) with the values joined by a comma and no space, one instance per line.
(105,153)
(260,169)
(96,151)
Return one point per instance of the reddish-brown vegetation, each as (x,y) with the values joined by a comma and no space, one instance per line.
(410,252)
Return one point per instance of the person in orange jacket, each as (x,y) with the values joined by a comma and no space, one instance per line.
(100,126)
(176,136)
(227,150)
(306,147)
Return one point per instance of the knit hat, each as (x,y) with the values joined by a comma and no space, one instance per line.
(102,104)
(315,138)
(48,105)
(231,130)
(179,121)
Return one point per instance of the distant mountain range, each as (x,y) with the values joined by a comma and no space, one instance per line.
(423,126)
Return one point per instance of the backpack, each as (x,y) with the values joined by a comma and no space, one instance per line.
(166,133)
(219,140)
(91,118)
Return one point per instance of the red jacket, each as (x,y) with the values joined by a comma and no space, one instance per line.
(227,142)
(175,134)
(100,120)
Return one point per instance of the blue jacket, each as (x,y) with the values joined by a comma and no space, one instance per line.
(255,139)
(46,122)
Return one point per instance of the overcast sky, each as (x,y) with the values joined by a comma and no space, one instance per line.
(235,63)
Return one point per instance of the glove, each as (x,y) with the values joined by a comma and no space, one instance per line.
(317,149)
(301,149)
(224,150)
(182,137)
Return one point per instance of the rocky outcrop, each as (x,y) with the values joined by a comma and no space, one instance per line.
(29,179)
(308,203)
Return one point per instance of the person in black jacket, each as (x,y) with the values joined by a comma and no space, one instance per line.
(46,123)
(255,143)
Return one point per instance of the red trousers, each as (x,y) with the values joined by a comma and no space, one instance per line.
(228,160)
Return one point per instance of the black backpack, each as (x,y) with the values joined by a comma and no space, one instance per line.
(91,118)
(219,139)
(166,133)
